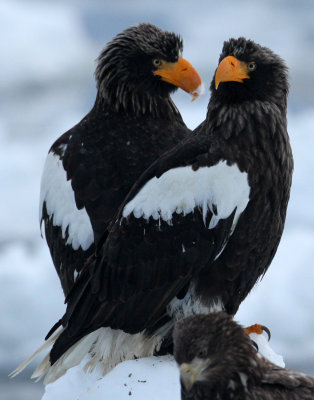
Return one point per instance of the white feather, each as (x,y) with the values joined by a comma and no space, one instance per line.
(43,347)
(191,304)
(181,190)
(72,357)
(58,194)
(105,347)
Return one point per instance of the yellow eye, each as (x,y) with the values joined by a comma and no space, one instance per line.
(251,66)
(156,62)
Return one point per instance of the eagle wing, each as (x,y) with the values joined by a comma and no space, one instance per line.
(87,174)
(175,221)
(287,378)
(66,189)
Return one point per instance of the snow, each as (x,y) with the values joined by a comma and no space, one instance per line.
(266,351)
(152,378)
(106,348)
(47,63)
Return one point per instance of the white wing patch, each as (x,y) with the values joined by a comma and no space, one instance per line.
(58,194)
(181,190)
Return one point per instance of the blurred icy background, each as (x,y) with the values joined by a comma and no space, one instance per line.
(47,53)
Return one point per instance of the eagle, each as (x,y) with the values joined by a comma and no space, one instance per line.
(217,361)
(90,169)
(196,231)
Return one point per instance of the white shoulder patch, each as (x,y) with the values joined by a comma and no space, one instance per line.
(220,188)
(58,194)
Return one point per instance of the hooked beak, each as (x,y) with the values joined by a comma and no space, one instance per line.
(231,69)
(181,74)
(190,373)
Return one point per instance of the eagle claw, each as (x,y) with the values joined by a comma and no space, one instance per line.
(259,329)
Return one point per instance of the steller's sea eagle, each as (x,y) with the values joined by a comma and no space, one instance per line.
(197,230)
(90,168)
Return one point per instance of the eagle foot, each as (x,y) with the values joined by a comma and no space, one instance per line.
(259,329)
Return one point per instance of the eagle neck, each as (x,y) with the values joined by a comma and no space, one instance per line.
(136,104)
(250,132)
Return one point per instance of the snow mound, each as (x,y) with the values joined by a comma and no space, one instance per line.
(151,378)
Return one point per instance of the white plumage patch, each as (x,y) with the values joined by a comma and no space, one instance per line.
(58,194)
(191,304)
(105,348)
(181,190)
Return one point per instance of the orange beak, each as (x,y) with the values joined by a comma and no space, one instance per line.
(181,74)
(231,70)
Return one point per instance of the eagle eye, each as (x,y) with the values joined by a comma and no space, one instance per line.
(157,62)
(252,66)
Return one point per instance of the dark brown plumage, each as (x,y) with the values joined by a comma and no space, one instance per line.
(132,123)
(248,126)
(199,227)
(217,361)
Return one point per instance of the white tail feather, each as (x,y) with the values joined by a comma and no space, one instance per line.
(113,346)
(106,347)
(43,347)
(72,357)
(42,368)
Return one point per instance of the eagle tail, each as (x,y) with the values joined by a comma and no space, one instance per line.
(72,357)
(105,346)
(43,347)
